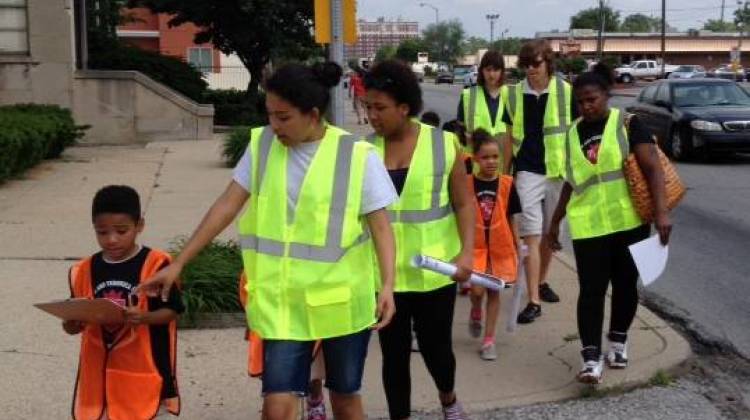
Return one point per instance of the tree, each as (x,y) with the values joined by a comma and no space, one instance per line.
(511,46)
(407,50)
(589,19)
(474,44)
(386,52)
(640,23)
(444,40)
(256,31)
(717,25)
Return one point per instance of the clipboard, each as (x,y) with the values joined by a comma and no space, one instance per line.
(92,311)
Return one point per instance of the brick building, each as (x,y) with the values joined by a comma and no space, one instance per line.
(374,34)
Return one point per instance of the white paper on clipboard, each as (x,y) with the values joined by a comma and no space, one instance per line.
(650,257)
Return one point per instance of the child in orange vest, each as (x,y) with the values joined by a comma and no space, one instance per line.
(316,408)
(127,370)
(494,241)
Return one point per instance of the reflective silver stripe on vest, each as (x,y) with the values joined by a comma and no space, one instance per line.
(472,108)
(419,216)
(332,250)
(264,149)
(610,176)
(512,98)
(562,125)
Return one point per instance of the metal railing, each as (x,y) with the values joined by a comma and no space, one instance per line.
(226,77)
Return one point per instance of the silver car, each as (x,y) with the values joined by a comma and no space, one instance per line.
(688,72)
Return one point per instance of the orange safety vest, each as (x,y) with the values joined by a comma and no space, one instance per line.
(123,379)
(499,256)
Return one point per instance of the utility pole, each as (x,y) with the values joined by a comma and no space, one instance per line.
(663,34)
(722,10)
(336,54)
(437,14)
(600,39)
(492,18)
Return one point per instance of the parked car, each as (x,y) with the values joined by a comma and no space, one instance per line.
(642,69)
(470,79)
(444,77)
(459,72)
(688,72)
(726,71)
(692,117)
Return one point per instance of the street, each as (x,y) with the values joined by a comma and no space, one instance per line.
(703,288)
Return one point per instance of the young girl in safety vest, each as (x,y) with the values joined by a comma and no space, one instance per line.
(602,219)
(125,371)
(495,201)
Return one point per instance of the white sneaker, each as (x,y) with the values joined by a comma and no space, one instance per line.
(488,352)
(617,356)
(593,366)
(454,412)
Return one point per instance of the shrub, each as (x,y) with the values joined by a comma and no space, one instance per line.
(170,71)
(234,107)
(210,281)
(235,144)
(32,133)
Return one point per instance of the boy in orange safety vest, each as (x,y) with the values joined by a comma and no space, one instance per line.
(495,253)
(316,408)
(127,370)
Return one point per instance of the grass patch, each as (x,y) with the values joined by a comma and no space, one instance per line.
(597,392)
(661,378)
(210,281)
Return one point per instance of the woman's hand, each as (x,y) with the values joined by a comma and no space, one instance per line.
(663,225)
(464,263)
(162,282)
(553,237)
(386,308)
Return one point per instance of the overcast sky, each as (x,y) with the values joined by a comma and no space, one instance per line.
(525,17)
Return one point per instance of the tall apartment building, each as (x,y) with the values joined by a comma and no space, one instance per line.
(373,35)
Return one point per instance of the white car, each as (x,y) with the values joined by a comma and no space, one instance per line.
(688,72)
(471,79)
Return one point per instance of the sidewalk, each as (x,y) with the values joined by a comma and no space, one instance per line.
(45,223)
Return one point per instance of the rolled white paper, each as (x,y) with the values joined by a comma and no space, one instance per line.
(448,269)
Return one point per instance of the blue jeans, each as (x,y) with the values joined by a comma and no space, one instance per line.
(286,364)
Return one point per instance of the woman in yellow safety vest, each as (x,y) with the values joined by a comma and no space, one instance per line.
(434,216)
(603,221)
(315,197)
(482,106)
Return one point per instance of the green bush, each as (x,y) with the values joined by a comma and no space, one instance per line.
(170,71)
(235,144)
(234,107)
(31,133)
(210,281)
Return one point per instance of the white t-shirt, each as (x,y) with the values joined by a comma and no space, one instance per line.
(377,190)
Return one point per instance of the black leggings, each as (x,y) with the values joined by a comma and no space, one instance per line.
(600,260)
(432,313)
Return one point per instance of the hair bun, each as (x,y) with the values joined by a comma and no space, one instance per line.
(328,73)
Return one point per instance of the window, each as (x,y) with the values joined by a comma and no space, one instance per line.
(14,37)
(663,94)
(648,94)
(201,58)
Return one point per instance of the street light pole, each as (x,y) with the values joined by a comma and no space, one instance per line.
(663,35)
(437,16)
(492,18)
(337,56)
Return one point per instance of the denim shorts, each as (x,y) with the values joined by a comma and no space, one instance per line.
(286,364)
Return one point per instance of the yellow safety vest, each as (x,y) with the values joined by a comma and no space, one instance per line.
(311,266)
(423,219)
(477,112)
(600,203)
(557,117)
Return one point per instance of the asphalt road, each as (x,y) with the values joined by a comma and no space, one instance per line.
(705,286)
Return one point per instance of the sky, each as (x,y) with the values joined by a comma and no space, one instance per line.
(525,17)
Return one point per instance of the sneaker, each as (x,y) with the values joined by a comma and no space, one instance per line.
(546,294)
(531,312)
(454,412)
(593,365)
(488,352)
(316,411)
(617,356)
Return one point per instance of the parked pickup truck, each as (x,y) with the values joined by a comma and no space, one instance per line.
(642,69)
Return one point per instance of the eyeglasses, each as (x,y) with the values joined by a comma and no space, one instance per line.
(535,64)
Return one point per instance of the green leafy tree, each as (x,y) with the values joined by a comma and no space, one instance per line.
(255,30)
(590,19)
(407,50)
(640,23)
(717,25)
(386,52)
(444,40)
(508,46)
(474,44)
(742,18)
